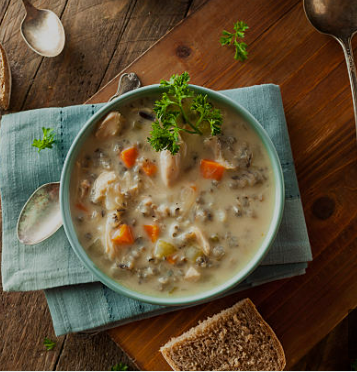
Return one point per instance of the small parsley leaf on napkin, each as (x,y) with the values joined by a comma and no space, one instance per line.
(227,38)
(49,344)
(120,367)
(176,114)
(47,141)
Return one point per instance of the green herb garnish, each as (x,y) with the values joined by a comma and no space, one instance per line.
(47,141)
(227,37)
(49,344)
(180,109)
(120,367)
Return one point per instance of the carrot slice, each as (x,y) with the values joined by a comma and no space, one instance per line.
(149,168)
(82,207)
(129,156)
(211,169)
(123,235)
(153,232)
(171,260)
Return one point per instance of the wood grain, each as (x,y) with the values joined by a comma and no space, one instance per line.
(283,49)
(94,31)
(330,354)
(104,37)
(154,21)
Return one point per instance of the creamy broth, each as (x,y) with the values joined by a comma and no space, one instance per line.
(171,225)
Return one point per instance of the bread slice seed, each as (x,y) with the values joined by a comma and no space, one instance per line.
(5,80)
(235,339)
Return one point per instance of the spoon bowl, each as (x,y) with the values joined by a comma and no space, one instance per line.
(337,18)
(42,31)
(41,216)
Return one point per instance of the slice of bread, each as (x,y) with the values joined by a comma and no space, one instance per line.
(236,339)
(5,80)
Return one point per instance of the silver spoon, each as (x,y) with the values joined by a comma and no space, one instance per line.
(337,18)
(42,31)
(41,215)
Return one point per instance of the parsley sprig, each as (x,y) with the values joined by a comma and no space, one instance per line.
(227,37)
(119,367)
(49,344)
(47,141)
(175,116)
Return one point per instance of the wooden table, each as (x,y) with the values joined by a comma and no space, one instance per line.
(103,38)
(283,49)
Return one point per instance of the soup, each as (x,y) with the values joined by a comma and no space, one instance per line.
(171,225)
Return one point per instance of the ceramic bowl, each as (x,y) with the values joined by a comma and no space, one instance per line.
(199,297)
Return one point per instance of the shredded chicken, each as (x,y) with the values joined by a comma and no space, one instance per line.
(195,234)
(84,187)
(101,185)
(192,275)
(109,245)
(111,125)
(218,154)
(170,165)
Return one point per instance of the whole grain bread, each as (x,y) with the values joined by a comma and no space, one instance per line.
(236,339)
(5,80)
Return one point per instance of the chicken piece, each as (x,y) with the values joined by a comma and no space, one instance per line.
(109,244)
(114,199)
(170,165)
(217,150)
(192,275)
(201,240)
(101,185)
(112,125)
(84,187)
(130,184)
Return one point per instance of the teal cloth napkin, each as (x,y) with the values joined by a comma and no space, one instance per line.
(52,265)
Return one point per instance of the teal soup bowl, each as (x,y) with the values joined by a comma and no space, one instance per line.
(218,290)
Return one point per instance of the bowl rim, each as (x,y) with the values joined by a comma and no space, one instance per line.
(200,297)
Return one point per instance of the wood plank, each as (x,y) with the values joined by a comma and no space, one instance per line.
(69,78)
(3,8)
(284,49)
(24,63)
(76,73)
(195,5)
(148,23)
(330,354)
(91,352)
(24,317)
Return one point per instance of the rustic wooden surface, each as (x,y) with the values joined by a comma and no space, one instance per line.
(284,49)
(103,37)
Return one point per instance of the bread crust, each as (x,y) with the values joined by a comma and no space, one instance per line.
(245,305)
(5,80)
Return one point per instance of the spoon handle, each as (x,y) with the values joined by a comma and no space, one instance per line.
(30,9)
(351,67)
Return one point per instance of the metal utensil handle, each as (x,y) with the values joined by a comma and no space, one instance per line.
(30,9)
(351,67)
(127,82)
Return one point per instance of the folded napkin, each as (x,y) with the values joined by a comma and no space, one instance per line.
(52,265)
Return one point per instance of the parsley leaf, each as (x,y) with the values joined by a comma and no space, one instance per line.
(175,115)
(227,38)
(119,367)
(47,141)
(49,344)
